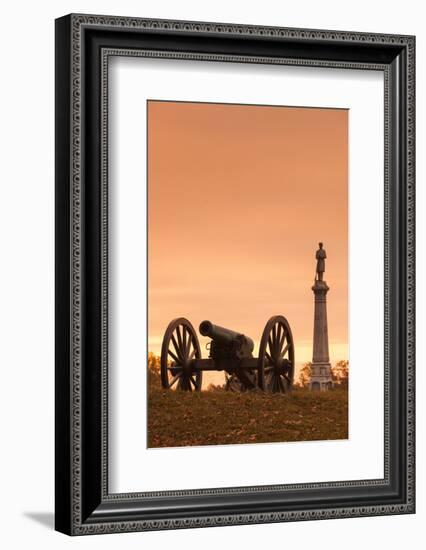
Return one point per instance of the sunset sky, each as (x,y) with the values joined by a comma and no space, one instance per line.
(238,198)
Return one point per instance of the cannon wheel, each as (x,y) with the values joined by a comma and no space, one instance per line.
(276,356)
(180,345)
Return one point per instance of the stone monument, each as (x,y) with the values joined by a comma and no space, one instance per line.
(321,378)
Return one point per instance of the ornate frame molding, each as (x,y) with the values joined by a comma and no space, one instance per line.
(76,510)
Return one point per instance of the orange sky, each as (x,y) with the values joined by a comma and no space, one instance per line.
(238,198)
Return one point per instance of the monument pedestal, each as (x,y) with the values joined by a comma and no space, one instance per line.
(321,378)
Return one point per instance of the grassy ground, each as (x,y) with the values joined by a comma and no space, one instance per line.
(177,419)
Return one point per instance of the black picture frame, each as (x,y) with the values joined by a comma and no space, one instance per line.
(83,504)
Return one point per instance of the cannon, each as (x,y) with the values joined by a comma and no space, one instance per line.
(182,365)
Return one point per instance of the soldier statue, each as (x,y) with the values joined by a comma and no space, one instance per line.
(320,256)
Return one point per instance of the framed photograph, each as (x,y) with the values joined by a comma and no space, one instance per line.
(234,274)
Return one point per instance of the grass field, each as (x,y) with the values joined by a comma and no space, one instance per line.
(217,417)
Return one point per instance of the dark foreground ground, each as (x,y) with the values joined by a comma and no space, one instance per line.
(217,417)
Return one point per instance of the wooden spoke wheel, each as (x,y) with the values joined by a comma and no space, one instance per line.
(180,346)
(276,356)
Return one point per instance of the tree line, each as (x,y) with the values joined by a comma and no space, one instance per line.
(339,374)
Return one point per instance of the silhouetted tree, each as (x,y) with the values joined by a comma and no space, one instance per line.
(216,387)
(154,381)
(340,373)
(305,375)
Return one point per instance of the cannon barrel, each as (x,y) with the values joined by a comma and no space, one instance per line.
(224,336)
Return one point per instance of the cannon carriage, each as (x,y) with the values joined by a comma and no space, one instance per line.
(182,365)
